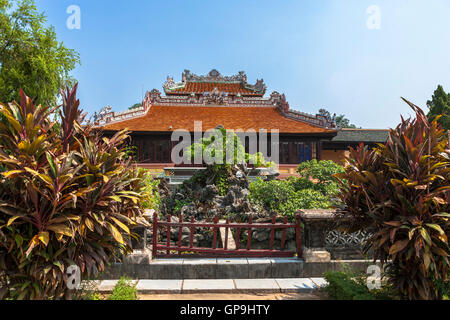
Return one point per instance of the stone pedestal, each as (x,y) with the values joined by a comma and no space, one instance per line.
(316,255)
(322,242)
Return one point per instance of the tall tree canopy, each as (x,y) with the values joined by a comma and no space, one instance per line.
(440,105)
(31,58)
(341,121)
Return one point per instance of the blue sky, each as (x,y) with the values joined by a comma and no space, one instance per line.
(321,53)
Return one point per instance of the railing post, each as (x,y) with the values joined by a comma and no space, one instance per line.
(155,235)
(225,246)
(180,233)
(283,236)
(216,220)
(298,235)
(169,219)
(192,229)
(238,237)
(249,234)
(272,232)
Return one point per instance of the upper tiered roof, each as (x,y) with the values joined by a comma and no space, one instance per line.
(215,100)
(234,85)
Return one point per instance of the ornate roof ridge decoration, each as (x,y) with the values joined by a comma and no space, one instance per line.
(215,99)
(214,76)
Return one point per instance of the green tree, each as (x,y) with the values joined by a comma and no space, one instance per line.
(135,106)
(318,175)
(343,122)
(440,105)
(31,58)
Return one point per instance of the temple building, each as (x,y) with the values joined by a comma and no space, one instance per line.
(228,101)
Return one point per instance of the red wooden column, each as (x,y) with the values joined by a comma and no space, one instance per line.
(319,151)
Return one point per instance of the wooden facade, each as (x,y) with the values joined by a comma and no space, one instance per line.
(216,100)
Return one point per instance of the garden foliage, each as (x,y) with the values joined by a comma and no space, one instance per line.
(345,285)
(400,190)
(150,192)
(124,290)
(224,149)
(67,197)
(31,57)
(315,188)
(439,106)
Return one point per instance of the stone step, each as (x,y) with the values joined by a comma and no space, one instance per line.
(252,286)
(140,266)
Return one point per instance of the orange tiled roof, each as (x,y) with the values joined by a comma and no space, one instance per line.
(161,118)
(201,87)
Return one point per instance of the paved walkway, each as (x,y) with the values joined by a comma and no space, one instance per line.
(234,296)
(228,286)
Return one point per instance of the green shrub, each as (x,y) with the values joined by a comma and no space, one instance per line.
(124,290)
(222,173)
(68,196)
(88,291)
(443,287)
(151,197)
(316,188)
(281,196)
(179,204)
(400,190)
(319,176)
(352,286)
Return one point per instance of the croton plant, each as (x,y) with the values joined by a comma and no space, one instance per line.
(68,197)
(400,190)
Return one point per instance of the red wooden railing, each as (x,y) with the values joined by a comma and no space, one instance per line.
(178,248)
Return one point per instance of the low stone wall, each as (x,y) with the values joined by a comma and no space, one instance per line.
(140,266)
(323,242)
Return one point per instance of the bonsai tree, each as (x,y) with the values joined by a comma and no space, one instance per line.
(67,198)
(226,155)
(400,191)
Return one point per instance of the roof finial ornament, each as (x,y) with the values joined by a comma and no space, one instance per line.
(185,75)
(170,83)
(214,73)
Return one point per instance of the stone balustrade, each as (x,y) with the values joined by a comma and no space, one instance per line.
(322,240)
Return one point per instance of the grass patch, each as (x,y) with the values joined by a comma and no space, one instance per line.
(349,286)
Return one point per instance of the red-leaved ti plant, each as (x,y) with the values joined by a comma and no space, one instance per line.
(400,191)
(68,196)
